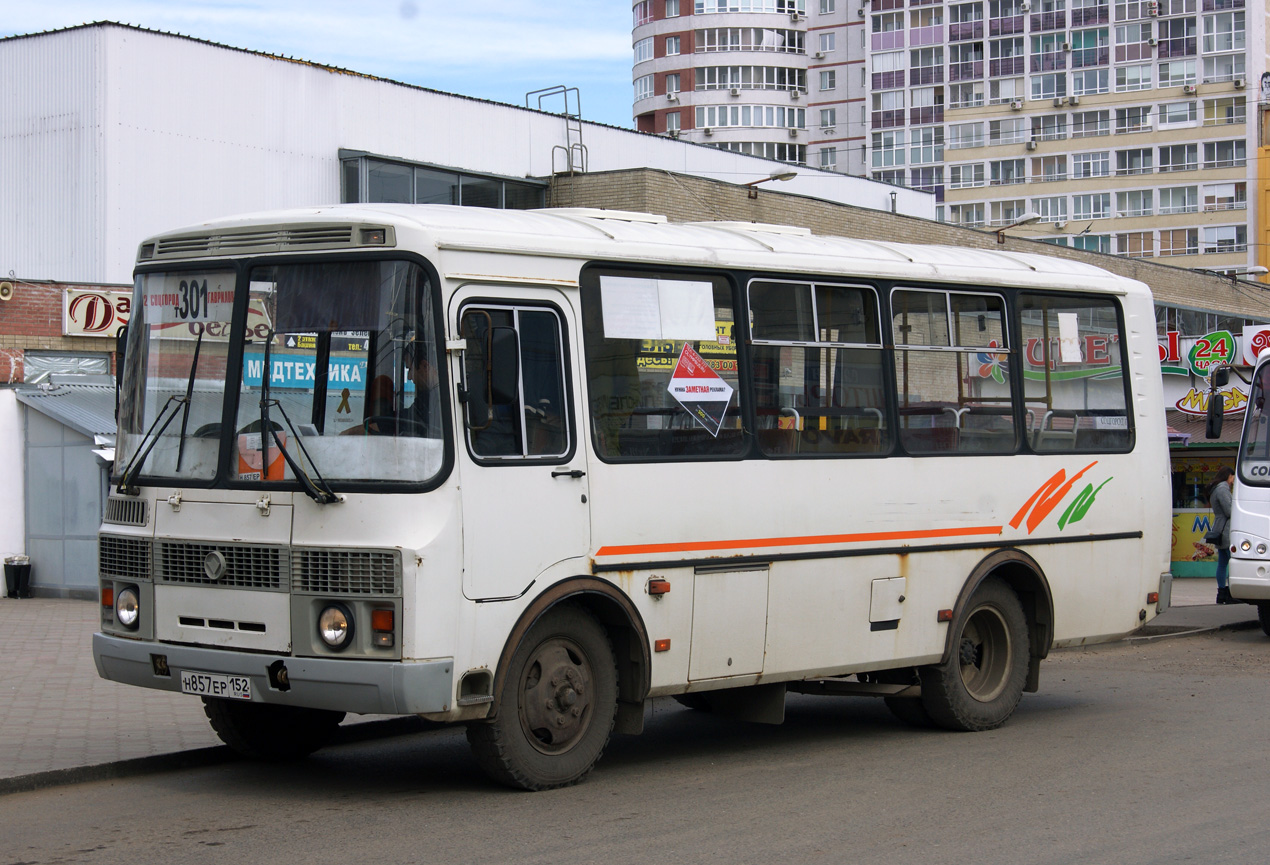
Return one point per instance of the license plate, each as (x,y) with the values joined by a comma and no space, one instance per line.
(215,685)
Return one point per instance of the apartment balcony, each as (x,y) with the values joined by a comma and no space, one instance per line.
(1006,26)
(1044,21)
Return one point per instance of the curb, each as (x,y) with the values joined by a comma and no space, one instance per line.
(1191,632)
(199,758)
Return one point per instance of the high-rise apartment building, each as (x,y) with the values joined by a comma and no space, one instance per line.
(1128,126)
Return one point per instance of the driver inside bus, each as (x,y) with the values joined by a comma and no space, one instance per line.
(416,418)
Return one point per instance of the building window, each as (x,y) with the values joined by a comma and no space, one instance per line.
(826,7)
(966,176)
(1220,112)
(1011,131)
(1049,127)
(1089,81)
(888,109)
(1135,77)
(672,121)
(1049,86)
(672,82)
(751,78)
(1136,161)
(717,39)
(672,8)
(968,215)
(371,179)
(1226,196)
(1174,114)
(1225,154)
(1224,32)
(1090,48)
(1223,67)
(1091,124)
(1052,208)
(1096,205)
(644,50)
(968,95)
(1135,119)
(1134,202)
(1225,238)
(1179,199)
(1133,42)
(828,118)
(1097,164)
(1179,241)
(751,115)
(829,158)
(927,145)
(672,45)
(1006,57)
(1136,244)
(1006,172)
(827,42)
(828,79)
(1177,73)
(965,135)
(888,149)
(1049,169)
(643,12)
(787,7)
(1179,157)
(643,87)
(1092,242)
(1007,212)
(1006,90)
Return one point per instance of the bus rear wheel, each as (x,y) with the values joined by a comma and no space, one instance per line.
(262,731)
(978,686)
(1263,616)
(558,704)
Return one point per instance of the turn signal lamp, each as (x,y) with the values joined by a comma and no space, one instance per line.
(661,646)
(1153,597)
(381,623)
(107,596)
(945,616)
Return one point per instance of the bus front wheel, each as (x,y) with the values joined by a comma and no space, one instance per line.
(262,731)
(558,704)
(1263,616)
(982,680)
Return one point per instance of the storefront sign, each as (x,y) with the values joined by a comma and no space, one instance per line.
(1256,339)
(1192,399)
(99,312)
(1195,355)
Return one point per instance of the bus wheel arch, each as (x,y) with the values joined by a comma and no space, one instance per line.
(1025,577)
(585,632)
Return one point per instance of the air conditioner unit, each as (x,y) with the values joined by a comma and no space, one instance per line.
(1153,9)
(672,96)
(793,133)
(673,133)
(1189,88)
(707,131)
(795,17)
(1016,104)
(1240,84)
(1026,5)
(1073,100)
(1153,42)
(862,12)
(1067,46)
(1060,225)
(819,55)
(1031,145)
(795,93)
(735,91)
(1058,102)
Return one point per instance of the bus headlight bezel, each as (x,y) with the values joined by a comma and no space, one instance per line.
(335,626)
(128,608)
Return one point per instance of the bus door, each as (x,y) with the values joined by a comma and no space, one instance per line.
(523,477)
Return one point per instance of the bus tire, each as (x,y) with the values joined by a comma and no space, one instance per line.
(982,680)
(1263,616)
(558,704)
(262,731)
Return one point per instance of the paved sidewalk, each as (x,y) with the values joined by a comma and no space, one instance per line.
(61,722)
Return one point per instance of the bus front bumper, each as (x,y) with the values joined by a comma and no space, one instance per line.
(361,687)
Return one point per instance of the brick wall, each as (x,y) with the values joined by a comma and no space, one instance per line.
(682,198)
(32,321)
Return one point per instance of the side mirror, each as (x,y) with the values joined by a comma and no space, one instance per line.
(1221,376)
(1216,410)
(491,368)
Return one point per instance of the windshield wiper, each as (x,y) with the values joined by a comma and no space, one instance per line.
(265,375)
(320,491)
(189,397)
(148,443)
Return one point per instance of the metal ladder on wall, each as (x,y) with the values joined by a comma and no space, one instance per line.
(570,157)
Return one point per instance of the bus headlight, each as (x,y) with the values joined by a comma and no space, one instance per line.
(1245,546)
(335,626)
(1261,549)
(128,608)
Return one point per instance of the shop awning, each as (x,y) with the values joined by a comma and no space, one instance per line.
(1187,430)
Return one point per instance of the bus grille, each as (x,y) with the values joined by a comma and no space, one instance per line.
(346,572)
(125,511)
(123,558)
(246,567)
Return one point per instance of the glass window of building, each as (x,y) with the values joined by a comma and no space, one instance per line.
(367,178)
(1005,172)
(1091,124)
(644,50)
(965,176)
(1049,169)
(1052,208)
(1179,199)
(1225,110)
(1224,32)
(1176,114)
(1006,212)
(672,45)
(1138,160)
(1134,202)
(1136,244)
(1095,205)
(1225,238)
(1179,157)
(1096,164)
(1179,241)
(1226,196)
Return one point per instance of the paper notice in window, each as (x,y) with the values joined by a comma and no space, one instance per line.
(251,457)
(637,308)
(1068,338)
(700,390)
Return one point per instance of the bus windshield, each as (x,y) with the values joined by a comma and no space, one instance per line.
(351,394)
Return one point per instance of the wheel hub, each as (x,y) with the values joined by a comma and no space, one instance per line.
(555,710)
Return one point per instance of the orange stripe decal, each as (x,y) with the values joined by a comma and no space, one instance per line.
(754,543)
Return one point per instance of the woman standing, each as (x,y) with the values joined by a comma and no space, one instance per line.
(1219,499)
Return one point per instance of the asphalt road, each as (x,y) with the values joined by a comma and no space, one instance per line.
(1131,753)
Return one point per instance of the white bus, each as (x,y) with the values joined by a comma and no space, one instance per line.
(1249,574)
(529,470)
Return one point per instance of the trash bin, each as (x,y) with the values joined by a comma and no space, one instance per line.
(17,576)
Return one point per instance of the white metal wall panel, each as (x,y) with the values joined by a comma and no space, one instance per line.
(51,157)
(140,131)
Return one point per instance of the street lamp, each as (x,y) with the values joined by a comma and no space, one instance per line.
(1026,219)
(775,175)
